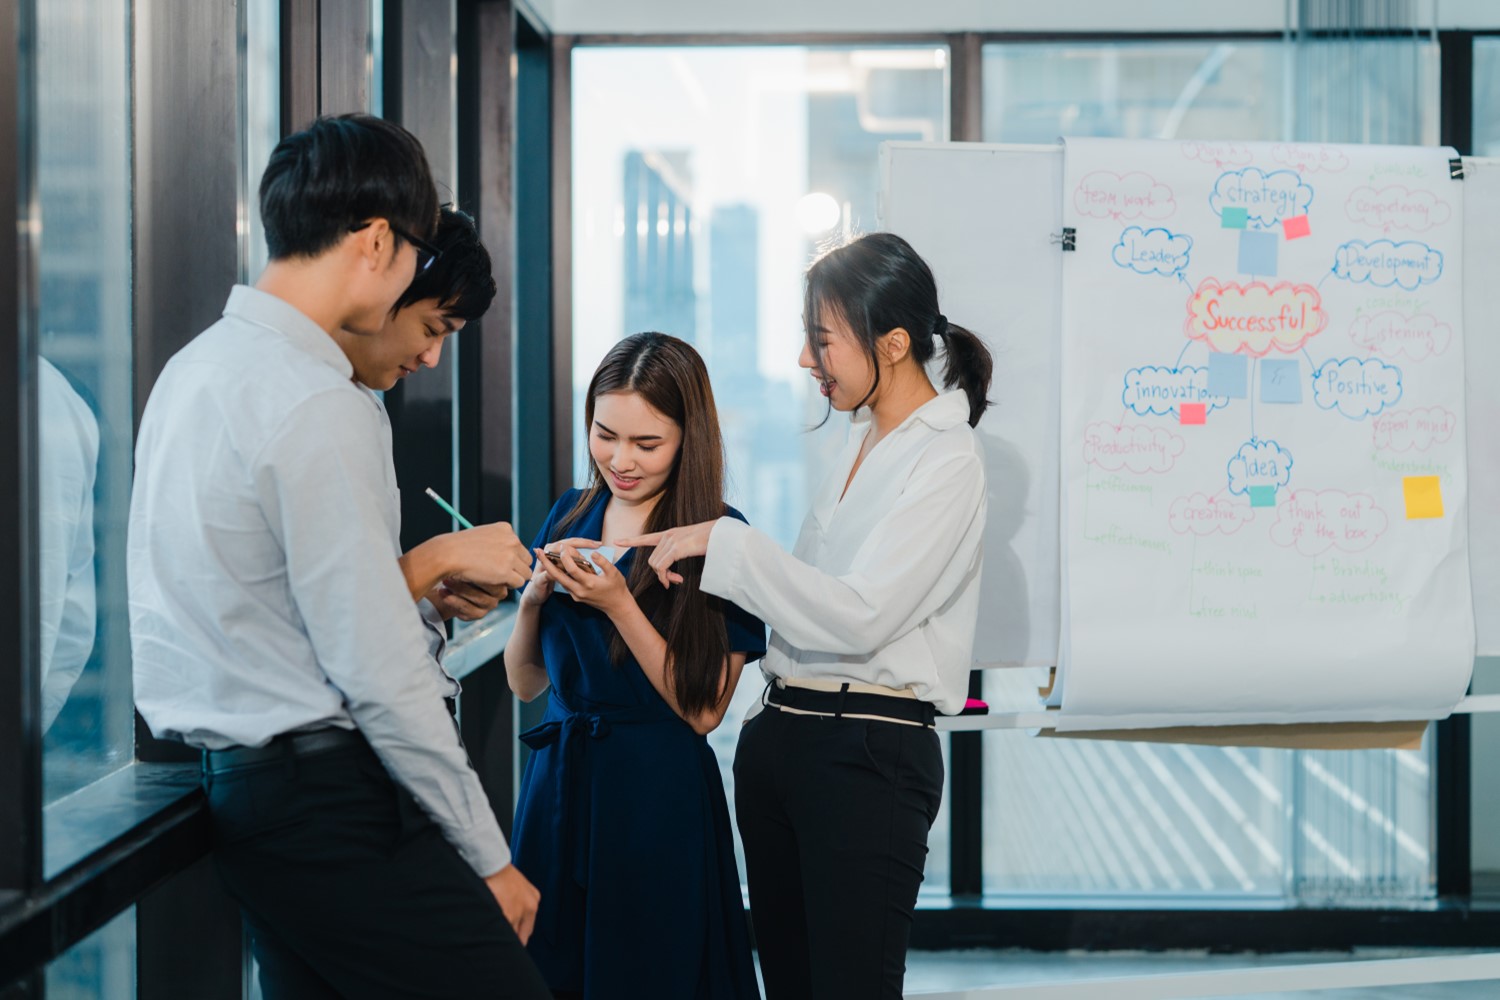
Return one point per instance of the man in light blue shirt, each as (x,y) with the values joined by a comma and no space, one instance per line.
(273,626)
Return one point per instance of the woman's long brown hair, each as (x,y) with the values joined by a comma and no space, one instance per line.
(670,376)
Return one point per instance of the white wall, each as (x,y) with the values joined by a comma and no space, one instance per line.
(908,16)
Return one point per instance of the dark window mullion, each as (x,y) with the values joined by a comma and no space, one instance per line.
(966,750)
(1454,748)
(20,697)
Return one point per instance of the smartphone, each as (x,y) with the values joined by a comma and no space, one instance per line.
(581,563)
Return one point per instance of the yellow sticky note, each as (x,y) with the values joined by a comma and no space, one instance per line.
(1424,497)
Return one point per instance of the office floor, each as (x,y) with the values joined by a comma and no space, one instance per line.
(936,972)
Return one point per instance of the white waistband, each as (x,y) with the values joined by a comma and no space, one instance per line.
(855,687)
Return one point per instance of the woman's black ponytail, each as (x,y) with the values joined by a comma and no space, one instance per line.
(877,283)
(967,365)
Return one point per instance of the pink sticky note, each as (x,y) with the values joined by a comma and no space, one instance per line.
(1193,413)
(1296,227)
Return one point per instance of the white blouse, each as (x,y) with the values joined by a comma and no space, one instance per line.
(883,585)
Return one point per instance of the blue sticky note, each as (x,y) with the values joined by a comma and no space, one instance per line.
(1262,496)
(1228,375)
(1234,218)
(1258,253)
(1280,381)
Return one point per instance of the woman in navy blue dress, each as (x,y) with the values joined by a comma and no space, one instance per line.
(622,821)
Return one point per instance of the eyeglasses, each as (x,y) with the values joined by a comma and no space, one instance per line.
(427,254)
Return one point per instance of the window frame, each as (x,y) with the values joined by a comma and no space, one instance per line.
(968,919)
(160,863)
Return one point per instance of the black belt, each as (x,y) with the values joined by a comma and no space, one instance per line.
(843,703)
(308,744)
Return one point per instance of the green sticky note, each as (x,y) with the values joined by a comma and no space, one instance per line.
(1234,218)
(1262,496)
(1424,497)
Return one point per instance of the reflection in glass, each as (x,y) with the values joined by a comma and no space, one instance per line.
(68,461)
(1168,90)
(703,182)
(1103,818)
(260,122)
(1371,90)
(85,392)
(101,965)
(1487,97)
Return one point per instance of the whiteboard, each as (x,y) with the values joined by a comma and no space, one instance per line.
(985,218)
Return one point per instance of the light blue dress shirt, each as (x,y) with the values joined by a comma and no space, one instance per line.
(265,593)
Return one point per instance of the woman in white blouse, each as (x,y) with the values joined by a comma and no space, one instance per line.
(872,615)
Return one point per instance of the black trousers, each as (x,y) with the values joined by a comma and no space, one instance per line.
(349,889)
(834,814)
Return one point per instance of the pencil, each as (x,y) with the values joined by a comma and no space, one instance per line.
(448,507)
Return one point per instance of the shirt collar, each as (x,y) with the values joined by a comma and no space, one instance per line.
(947,409)
(264,309)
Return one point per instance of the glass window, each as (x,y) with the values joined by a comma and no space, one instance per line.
(1486,727)
(703,181)
(101,965)
(84,374)
(260,122)
(1487,97)
(1105,818)
(1247,90)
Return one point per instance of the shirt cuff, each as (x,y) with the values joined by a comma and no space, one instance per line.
(483,846)
(437,629)
(726,550)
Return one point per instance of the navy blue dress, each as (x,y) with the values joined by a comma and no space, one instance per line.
(622,822)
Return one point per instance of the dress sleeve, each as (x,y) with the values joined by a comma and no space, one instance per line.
(747,633)
(544,534)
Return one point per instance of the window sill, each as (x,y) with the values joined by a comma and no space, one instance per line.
(88,820)
(477,643)
(106,846)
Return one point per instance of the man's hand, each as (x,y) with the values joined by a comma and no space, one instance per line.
(517,897)
(490,556)
(455,598)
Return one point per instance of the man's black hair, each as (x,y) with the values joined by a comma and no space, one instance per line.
(460,279)
(339,172)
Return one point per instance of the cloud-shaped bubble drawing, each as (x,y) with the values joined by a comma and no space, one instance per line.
(1356,387)
(1259,463)
(1383,263)
(1395,334)
(1252,319)
(1152,251)
(1153,391)
(1220,154)
(1397,207)
(1314,521)
(1266,197)
(1104,194)
(1414,430)
(1135,447)
(1204,515)
(1310,159)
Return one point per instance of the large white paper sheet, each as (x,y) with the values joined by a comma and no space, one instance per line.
(1262,408)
